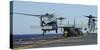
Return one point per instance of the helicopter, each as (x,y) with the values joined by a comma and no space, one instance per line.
(48,22)
(61,19)
(91,22)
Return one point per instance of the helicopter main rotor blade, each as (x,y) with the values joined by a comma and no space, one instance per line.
(90,16)
(60,18)
(26,14)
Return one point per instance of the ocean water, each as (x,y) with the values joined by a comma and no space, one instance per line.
(35,36)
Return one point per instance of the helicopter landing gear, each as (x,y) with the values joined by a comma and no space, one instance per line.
(43,34)
(56,32)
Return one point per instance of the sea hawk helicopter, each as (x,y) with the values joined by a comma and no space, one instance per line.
(48,22)
(61,19)
(91,22)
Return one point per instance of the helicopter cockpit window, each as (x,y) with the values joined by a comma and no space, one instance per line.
(48,19)
(45,19)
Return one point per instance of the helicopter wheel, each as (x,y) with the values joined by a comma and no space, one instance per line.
(56,32)
(43,34)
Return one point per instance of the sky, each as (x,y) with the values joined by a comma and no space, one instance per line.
(31,25)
